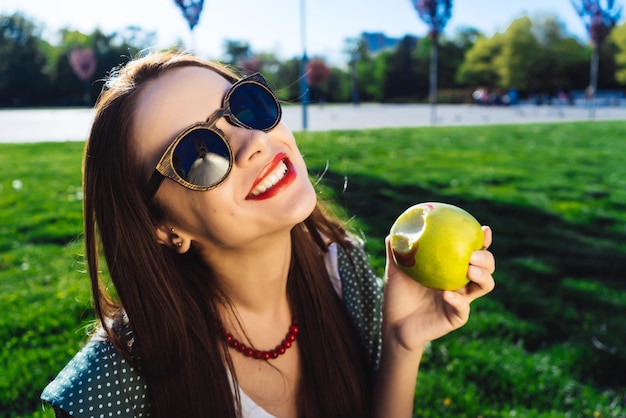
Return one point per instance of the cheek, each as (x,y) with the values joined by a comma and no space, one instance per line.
(180,206)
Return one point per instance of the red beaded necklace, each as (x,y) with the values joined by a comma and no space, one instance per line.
(280,349)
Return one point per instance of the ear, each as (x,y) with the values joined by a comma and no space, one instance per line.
(168,237)
(165,236)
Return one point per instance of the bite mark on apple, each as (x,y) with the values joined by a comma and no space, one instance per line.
(406,259)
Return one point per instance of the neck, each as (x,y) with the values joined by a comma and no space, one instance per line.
(254,280)
(254,277)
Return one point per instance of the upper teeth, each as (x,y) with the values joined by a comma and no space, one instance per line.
(270,180)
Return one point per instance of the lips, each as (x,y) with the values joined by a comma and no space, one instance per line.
(273,178)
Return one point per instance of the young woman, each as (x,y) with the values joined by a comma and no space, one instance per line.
(234,293)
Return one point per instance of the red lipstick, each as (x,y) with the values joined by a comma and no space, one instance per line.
(273,178)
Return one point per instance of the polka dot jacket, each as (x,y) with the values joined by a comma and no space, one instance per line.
(99,382)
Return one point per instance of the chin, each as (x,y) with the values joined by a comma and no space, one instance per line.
(304,203)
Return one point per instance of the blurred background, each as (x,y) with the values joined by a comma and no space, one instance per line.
(396,51)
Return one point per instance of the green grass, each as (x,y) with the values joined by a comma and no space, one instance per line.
(548,342)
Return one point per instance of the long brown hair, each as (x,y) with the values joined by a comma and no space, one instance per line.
(162,310)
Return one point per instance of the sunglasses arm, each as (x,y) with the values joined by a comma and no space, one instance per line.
(154,183)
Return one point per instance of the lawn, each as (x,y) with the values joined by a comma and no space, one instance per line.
(548,342)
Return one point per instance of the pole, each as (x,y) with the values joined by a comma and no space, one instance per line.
(433,79)
(593,81)
(355,78)
(304,88)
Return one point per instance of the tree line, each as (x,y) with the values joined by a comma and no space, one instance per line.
(533,57)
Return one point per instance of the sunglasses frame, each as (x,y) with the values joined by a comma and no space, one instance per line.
(165,168)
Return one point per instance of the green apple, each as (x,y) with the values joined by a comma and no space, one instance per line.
(432,243)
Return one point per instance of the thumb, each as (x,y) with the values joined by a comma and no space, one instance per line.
(391,268)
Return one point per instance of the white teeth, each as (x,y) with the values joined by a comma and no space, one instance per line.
(270,180)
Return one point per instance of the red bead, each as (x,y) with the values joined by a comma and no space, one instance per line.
(259,354)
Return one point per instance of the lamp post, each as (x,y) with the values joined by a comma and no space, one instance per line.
(304,88)
(435,13)
(191,11)
(599,22)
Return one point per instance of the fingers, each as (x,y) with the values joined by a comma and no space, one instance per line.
(481,283)
(483,259)
(482,266)
(488,236)
(391,268)
(458,308)
(481,277)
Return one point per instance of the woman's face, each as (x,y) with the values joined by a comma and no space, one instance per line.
(234,214)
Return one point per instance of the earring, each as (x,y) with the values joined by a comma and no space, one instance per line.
(179,244)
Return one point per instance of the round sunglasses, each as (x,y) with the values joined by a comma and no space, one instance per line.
(200,157)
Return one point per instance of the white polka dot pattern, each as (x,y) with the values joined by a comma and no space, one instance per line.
(362,293)
(99,382)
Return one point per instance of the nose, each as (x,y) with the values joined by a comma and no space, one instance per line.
(247,144)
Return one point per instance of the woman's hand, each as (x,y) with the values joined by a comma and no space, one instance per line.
(414,315)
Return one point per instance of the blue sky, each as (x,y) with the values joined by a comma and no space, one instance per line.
(275,25)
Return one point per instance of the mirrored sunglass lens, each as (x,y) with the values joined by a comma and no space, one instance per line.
(254,106)
(202,158)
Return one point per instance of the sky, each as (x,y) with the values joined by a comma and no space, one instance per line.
(276,25)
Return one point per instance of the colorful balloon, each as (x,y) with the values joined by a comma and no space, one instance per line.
(191,10)
(83,63)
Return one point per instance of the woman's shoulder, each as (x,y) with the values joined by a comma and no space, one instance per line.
(98,381)
(361,290)
(355,270)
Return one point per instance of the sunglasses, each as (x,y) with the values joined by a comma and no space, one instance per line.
(200,157)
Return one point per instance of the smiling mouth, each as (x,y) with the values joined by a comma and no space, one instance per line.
(271,180)
(280,174)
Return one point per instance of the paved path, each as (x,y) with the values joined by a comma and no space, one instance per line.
(72,124)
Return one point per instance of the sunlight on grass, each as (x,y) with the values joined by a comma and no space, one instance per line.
(547,343)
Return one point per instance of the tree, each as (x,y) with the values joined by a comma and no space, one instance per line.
(352,51)
(599,22)
(371,75)
(619,38)
(401,76)
(339,86)
(109,51)
(435,13)
(530,56)
(517,62)
(236,52)
(465,37)
(23,67)
(287,80)
(451,56)
(368,70)
(563,58)
(317,74)
(478,69)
